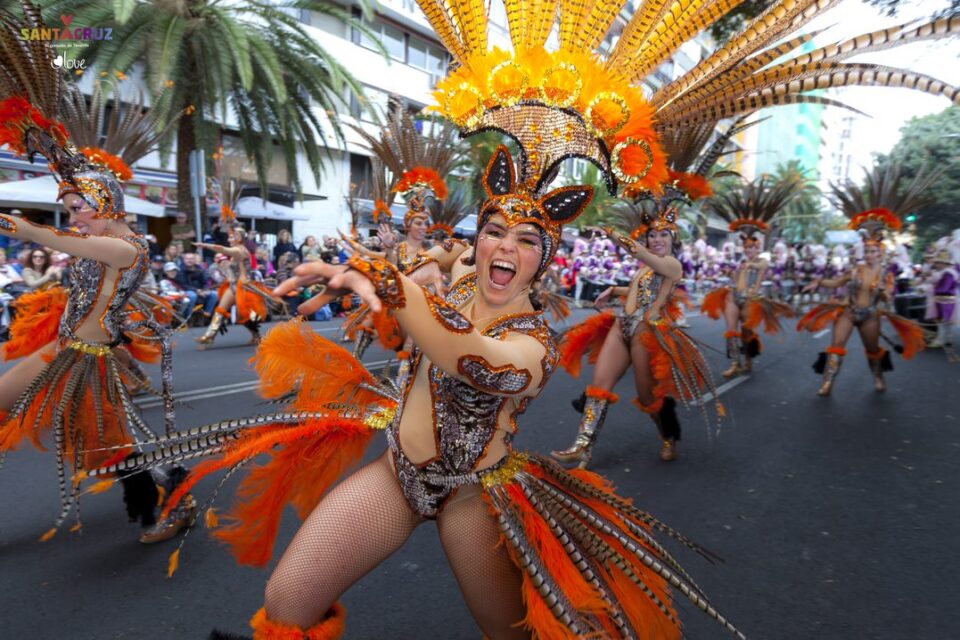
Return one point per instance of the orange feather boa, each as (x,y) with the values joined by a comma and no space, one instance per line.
(585,338)
(37,322)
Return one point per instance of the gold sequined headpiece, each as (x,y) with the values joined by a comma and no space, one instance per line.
(520,206)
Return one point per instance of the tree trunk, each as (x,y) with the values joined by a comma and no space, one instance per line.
(187,142)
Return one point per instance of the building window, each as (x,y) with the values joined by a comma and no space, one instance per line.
(394,42)
(417,54)
(361,175)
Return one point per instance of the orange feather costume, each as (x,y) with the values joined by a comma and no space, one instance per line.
(574,539)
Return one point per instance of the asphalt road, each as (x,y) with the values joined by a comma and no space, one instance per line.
(837,517)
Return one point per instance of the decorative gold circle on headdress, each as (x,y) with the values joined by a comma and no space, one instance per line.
(464,105)
(607,113)
(508,82)
(561,85)
(624,162)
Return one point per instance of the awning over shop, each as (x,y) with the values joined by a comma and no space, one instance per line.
(41,193)
(254,207)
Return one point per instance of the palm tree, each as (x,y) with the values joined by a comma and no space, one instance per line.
(801,219)
(209,58)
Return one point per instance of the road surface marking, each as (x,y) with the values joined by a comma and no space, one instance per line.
(821,333)
(152,402)
(722,389)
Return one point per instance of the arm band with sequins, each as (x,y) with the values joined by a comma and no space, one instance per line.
(7,224)
(384,277)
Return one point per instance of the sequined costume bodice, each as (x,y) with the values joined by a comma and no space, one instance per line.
(406,259)
(857,283)
(855,286)
(85,283)
(648,289)
(233,269)
(465,416)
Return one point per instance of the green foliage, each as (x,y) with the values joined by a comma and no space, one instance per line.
(802,219)
(253,57)
(734,20)
(932,142)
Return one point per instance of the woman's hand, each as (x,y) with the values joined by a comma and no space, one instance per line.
(339,280)
(653,315)
(810,288)
(603,299)
(625,241)
(388,237)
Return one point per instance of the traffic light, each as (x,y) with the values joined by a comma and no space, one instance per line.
(911,218)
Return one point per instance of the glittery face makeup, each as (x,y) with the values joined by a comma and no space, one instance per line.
(83,217)
(507,258)
(660,242)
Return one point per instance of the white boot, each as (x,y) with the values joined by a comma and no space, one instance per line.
(943,336)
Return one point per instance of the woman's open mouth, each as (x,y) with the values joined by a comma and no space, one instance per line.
(501,273)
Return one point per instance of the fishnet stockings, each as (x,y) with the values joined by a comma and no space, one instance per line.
(362,522)
(488,579)
(355,527)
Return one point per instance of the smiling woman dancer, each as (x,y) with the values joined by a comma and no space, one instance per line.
(666,364)
(750,210)
(576,559)
(75,348)
(875,212)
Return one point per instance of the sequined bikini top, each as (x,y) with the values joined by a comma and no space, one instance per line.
(753,278)
(648,288)
(85,283)
(465,415)
(857,283)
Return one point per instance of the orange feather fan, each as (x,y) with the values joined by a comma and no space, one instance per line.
(585,337)
(820,317)
(292,357)
(37,322)
(715,302)
(305,458)
(911,334)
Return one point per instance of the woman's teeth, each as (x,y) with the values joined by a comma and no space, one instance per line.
(502,272)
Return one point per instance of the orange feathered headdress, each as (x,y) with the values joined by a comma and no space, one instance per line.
(422,178)
(694,185)
(749,229)
(417,185)
(227,214)
(874,223)
(441,229)
(382,213)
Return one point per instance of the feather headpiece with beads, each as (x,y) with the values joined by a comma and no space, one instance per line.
(876,208)
(31,100)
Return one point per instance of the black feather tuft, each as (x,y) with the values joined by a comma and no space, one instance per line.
(753,348)
(669,423)
(886,364)
(821,362)
(140,494)
(579,403)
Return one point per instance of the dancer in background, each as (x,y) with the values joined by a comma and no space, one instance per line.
(76,343)
(874,212)
(251,299)
(750,211)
